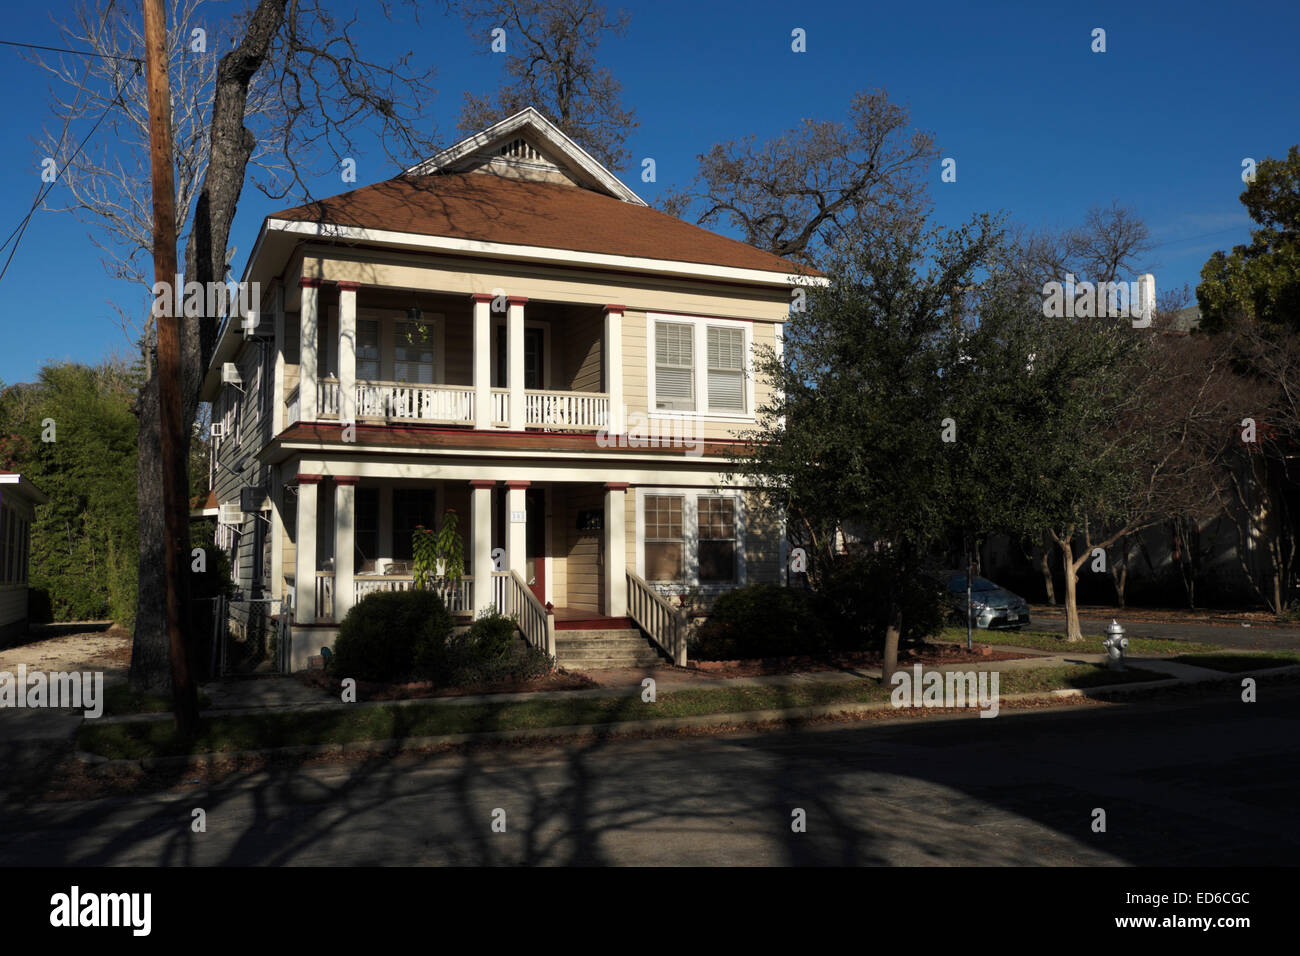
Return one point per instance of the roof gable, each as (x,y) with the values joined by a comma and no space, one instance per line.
(528,146)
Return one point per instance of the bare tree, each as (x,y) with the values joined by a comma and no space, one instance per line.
(550,63)
(293,79)
(816,186)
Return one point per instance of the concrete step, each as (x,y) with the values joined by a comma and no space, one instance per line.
(593,650)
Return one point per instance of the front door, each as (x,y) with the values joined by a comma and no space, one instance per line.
(534,359)
(535,542)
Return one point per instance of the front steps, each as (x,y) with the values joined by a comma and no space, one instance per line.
(590,649)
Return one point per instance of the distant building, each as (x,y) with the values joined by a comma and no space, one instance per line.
(18,501)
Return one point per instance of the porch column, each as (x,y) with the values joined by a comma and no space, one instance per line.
(480,543)
(304,585)
(482,360)
(277,387)
(615,549)
(345,524)
(308,344)
(613,361)
(348,352)
(277,534)
(515,360)
(517,527)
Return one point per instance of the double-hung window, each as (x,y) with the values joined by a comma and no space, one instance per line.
(726,369)
(413,354)
(675,366)
(665,538)
(367,350)
(717,531)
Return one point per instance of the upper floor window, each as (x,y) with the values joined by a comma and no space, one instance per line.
(674,366)
(726,369)
(413,353)
(367,350)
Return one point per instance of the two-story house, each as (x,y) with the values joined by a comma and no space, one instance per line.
(507,331)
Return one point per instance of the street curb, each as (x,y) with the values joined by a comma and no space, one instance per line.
(633,728)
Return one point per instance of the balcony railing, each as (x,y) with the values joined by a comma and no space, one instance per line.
(450,404)
(564,410)
(501,406)
(327,398)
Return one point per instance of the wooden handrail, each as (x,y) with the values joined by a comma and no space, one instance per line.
(665,624)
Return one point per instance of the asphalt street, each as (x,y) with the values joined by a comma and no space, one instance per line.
(1204,781)
(1226,635)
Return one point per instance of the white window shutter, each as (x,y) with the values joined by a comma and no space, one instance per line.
(674,367)
(726,369)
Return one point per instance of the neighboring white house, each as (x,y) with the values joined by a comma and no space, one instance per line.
(507,331)
(18,501)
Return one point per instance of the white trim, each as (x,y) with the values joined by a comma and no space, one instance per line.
(700,371)
(501,250)
(691,533)
(529,118)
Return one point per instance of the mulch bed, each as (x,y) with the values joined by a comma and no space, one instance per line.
(929,653)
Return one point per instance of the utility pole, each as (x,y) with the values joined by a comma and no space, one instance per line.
(170,419)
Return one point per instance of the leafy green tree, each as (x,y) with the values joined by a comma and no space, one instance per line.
(84,541)
(854,434)
(1260,280)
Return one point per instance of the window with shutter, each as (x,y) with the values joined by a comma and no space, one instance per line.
(726,369)
(674,366)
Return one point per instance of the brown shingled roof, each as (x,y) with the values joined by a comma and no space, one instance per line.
(495,209)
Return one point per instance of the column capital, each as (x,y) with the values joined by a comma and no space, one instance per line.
(518,484)
(309,282)
(480,296)
(616,308)
(307,480)
(516,299)
(481,483)
(616,485)
(347,286)
(346,479)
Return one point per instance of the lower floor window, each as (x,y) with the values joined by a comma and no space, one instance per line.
(692,539)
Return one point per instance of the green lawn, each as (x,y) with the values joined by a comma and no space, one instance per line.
(252,732)
(1091,643)
(1240,663)
(120,700)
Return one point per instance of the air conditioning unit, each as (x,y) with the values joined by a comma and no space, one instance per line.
(230,513)
(230,374)
(217,430)
(252,499)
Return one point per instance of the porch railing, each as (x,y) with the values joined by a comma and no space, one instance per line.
(327,398)
(324,596)
(665,624)
(292,408)
(429,403)
(458,596)
(579,410)
(500,406)
(537,625)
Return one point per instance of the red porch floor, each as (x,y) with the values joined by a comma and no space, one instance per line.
(579,619)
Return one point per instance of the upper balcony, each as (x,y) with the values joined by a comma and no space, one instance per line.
(387,356)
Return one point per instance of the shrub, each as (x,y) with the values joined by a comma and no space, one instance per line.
(489,651)
(762,620)
(855,590)
(393,635)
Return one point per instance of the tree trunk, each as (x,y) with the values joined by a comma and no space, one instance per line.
(1072,630)
(1045,565)
(150,658)
(232,145)
(893,631)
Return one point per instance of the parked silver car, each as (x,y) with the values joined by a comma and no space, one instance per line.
(994,607)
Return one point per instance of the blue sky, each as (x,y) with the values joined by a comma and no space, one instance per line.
(1041,127)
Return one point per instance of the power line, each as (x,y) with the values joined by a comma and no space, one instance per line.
(17,235)
(60,49)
